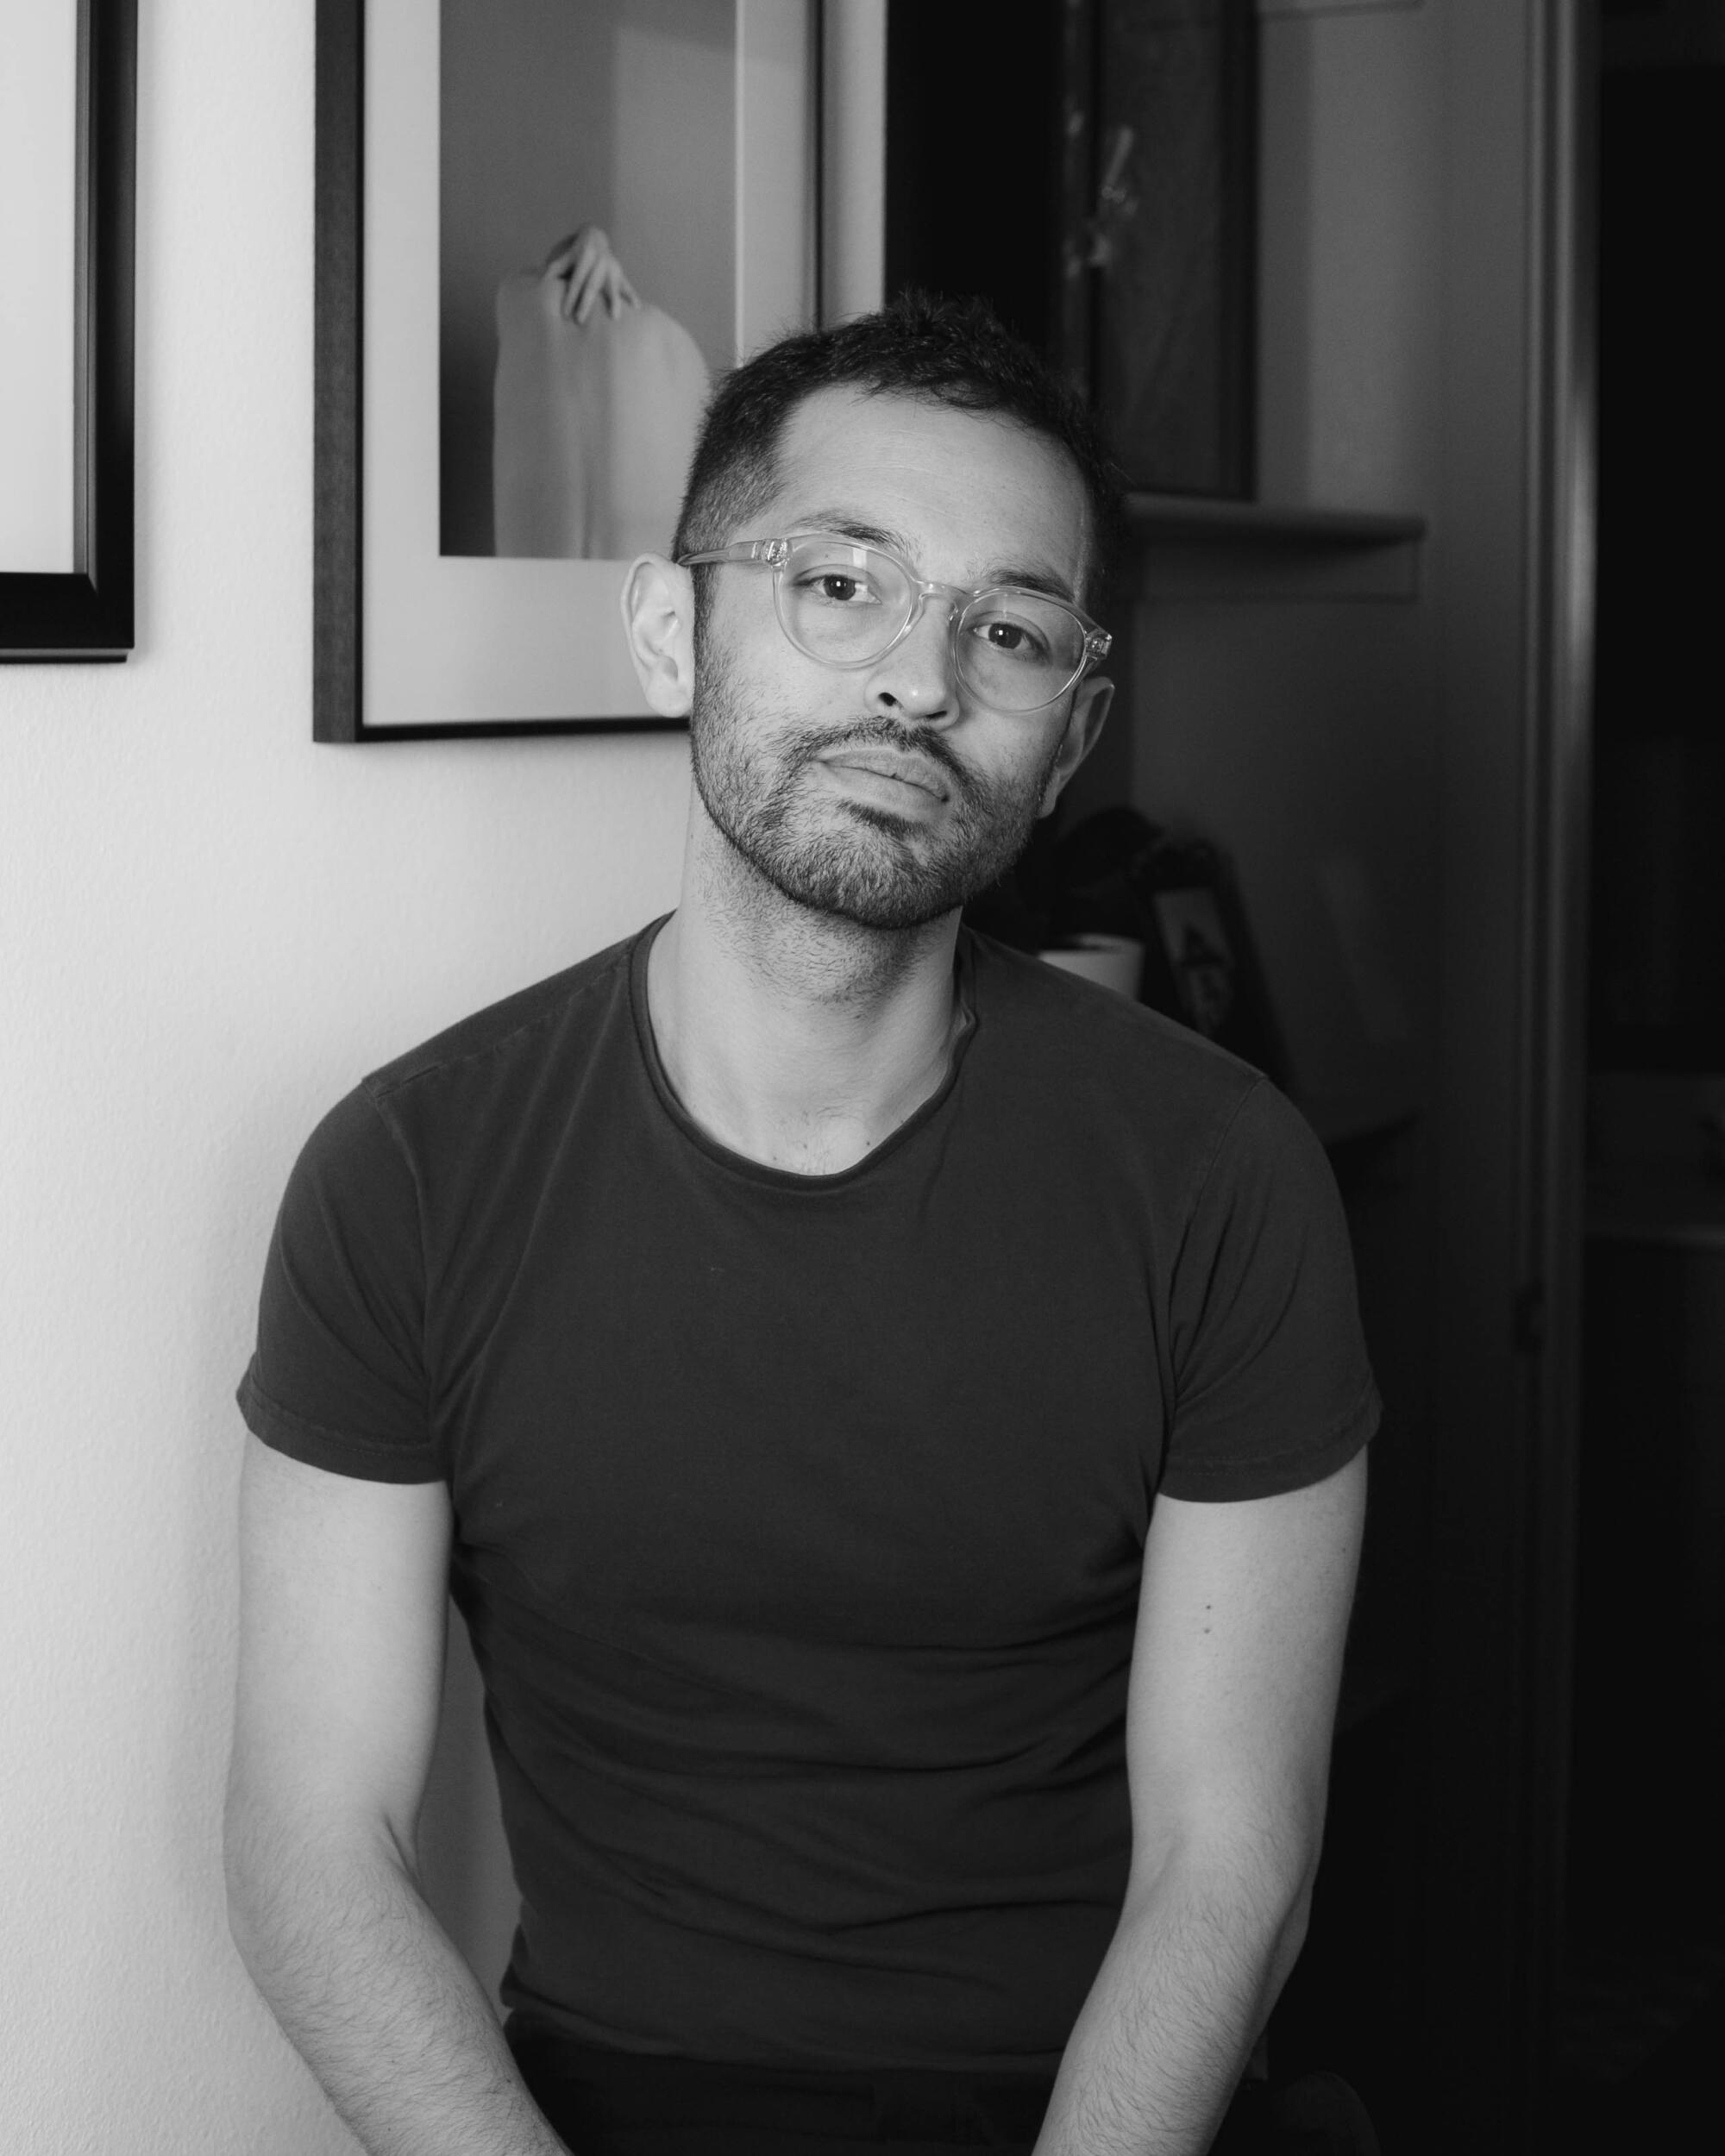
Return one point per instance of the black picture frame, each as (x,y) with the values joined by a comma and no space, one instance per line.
(87,612)
(338,215)
(1156,274)
(338,543)
(1099,189)
(340,511)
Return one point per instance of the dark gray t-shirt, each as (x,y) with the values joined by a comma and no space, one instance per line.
(799,1519)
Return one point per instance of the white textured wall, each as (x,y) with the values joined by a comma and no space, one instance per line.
(209,928)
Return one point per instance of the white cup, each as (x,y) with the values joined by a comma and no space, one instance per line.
(1113,962)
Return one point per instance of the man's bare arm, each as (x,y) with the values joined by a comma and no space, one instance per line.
(343,1602)
(1232,1705)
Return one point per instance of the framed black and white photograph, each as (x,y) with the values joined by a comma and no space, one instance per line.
(1159,174)
(1098,187)
(542,231)
(67,130)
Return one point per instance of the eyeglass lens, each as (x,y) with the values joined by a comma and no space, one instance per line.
(844,604)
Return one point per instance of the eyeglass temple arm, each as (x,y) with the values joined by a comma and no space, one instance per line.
(771,551)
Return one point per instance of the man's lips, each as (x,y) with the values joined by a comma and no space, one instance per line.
(920,772)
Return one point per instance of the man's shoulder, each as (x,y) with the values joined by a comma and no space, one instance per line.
(1103,1079)
(1072,1022)
(516,1034)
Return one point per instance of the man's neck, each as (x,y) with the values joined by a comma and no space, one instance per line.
(794,1037)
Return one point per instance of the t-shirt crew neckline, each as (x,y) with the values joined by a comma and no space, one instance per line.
(964,983)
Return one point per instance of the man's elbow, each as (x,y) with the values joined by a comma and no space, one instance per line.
(1250,1892)
(1263,1860)
(287,1864)
(253,1865)
(1290,1939)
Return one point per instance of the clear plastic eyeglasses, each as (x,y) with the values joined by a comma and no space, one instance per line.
(848,604)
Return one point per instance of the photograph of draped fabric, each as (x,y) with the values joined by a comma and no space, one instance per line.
(542,229)
(584,300)
(1170,242)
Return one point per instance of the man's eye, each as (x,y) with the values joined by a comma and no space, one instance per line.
(1012,638)
(838,587)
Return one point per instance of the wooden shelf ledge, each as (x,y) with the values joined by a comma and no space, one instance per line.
(1187,547)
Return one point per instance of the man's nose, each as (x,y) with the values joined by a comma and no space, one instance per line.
(916,677)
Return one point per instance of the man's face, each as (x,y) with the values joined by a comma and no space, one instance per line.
(886,794)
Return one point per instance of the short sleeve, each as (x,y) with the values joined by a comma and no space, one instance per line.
(1272,1387)
(338,1378)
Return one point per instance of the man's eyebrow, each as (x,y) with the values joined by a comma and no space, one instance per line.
(1034,580)
(844,525)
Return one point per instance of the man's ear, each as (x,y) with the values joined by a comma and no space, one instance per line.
(1090,704)
(658,618)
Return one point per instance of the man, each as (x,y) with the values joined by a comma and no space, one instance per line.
(795,1334)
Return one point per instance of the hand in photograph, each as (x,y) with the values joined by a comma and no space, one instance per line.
(588,271)
(597,397)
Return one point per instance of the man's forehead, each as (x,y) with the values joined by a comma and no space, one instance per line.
(893,463)
(850,426)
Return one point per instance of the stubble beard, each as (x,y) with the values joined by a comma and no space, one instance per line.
(849,859)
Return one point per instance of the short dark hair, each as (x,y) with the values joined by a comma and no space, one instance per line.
(954,352)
